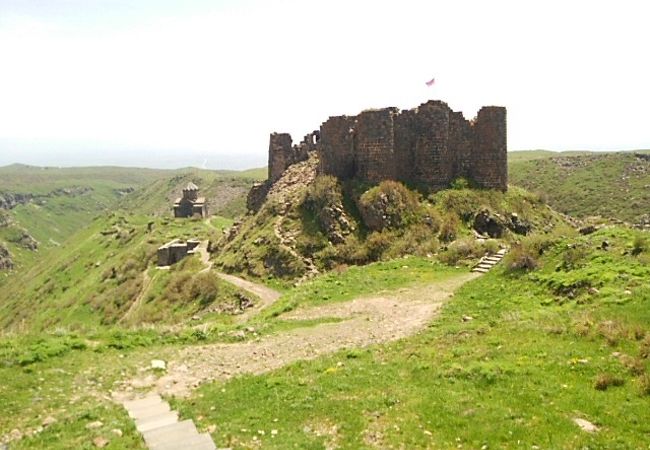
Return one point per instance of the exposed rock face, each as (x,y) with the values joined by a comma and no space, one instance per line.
(6,263)
(495,225)
(518,225)
(257,195)
(486,222)
(27,241)
(9,200)
(5,219)
(334,221)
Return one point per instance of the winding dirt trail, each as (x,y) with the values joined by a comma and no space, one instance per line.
(266,295)
(365,321)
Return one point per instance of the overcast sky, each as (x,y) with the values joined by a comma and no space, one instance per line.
(165,83)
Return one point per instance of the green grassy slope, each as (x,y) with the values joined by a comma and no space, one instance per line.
(612,185)
(94,278)
(539,350)
(68,199)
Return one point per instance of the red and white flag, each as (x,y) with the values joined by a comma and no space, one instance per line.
(430,82)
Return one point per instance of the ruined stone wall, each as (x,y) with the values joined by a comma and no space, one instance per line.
(280,154)
(489,158)
(431,153)
(336,149)
(428,146)
(374,145)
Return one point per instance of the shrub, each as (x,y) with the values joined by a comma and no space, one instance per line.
(449,227)
(635,366)
(574,258)
(418,240)
(461,250)
(644,349)
(377,243)
(389,206)
(639,244)
(520,258)
(204,288)
(325,190)
(604,380)
(644,384)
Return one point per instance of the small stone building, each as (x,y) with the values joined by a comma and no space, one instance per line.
(190,204)
(175,250)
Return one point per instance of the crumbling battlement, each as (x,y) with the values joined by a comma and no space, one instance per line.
(428,147)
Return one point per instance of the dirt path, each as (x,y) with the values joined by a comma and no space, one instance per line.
(146,284)
(204,255)
(367,321)
(266,295)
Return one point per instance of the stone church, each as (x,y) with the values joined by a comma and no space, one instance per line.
(190,204)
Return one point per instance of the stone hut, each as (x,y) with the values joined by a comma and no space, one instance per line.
(175,250)
(190,204)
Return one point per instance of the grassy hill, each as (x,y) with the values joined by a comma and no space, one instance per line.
(512,360)
(581,184)
(55,203)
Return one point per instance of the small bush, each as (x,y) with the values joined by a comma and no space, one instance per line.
(461,250)
(639,244)
(391,205)
(644,348)
(377,243)
(644,384)
(574,258)
(204,288)
(449,227)
(605,380)
(325,190)
(520,258)
(635,366)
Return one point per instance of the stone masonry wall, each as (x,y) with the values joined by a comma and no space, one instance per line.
(428,146)
(280,155)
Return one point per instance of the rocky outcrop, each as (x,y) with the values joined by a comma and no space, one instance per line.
(6,263)
(5,219)
(489,223)
(9,200)
(257,195)
(26,241)
(335,222)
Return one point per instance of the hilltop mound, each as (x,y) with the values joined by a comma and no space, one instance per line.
(310,223)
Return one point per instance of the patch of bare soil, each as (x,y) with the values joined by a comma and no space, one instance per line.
(366,321)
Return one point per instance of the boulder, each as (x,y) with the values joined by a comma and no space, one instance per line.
(6,263)
(492,224)
(518,225)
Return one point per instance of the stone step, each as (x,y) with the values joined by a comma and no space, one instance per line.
(493,258)
(169,433)
(502,252)
(151,410)
(480,270)
(153,422)
(142,402)
(484,266)
(196,442)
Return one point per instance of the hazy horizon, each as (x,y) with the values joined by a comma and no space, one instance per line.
(170,83)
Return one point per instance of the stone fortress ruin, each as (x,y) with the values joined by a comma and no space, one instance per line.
(427,147)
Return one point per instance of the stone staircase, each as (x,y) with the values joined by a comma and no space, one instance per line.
(487,262)
(161,429)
